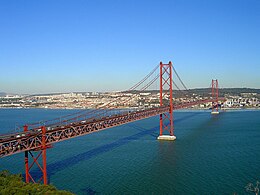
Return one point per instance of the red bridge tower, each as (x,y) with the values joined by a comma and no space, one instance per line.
(166,119)
(214,92)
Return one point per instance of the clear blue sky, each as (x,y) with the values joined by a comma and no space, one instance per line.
(93,45)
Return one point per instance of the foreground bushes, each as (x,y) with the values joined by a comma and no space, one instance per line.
(13,184)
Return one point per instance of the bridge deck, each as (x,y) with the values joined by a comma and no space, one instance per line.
(32,140)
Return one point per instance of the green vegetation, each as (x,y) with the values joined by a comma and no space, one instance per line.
(13,184)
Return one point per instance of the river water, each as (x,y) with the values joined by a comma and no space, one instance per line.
(212,154)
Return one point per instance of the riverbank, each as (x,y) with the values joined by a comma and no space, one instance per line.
(69,108)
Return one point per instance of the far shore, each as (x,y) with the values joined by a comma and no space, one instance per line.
(191,109)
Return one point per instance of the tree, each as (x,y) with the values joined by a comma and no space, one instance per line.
(13,184)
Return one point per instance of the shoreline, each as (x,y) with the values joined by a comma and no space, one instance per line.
(190,109)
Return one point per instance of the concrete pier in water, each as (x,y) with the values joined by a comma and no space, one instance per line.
(166,137)
(215,112)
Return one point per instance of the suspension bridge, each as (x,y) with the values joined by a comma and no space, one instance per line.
(36,138)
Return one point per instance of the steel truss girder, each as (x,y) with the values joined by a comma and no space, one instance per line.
(61,133)
(34,141)
(41,150)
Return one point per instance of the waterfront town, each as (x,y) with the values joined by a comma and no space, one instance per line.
(133,99)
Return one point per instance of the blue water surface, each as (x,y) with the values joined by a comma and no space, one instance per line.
(213,154)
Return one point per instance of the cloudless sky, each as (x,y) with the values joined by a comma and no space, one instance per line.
(104,45)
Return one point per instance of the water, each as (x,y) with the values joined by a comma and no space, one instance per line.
(212,155)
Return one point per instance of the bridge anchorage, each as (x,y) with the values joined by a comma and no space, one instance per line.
(36,139)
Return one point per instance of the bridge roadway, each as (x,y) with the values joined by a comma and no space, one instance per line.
(32,139)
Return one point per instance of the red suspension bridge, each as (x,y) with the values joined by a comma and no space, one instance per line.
(36,138)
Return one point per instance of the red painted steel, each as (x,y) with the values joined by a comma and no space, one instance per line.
(26,160)
(36,140)
(214,92)
(41,152)
(203,101)
(17,143)
(166,119)
(32,141)
(44,162)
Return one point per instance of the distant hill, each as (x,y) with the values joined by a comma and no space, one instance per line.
(207,91)
(222,91)
(238,91)
(2,94)
(198,91)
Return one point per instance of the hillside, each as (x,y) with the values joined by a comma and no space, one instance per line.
(207,91)
(13,184)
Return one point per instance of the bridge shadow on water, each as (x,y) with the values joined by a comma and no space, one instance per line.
(73,160)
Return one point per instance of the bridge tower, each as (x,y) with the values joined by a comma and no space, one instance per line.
(166,119)
(35,156)
(214,93)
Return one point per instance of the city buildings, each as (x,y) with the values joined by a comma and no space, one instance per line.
(92,100)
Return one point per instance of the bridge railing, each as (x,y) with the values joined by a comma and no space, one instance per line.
(31,140)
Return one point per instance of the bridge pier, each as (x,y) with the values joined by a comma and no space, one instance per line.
(215,112)
(166,137)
